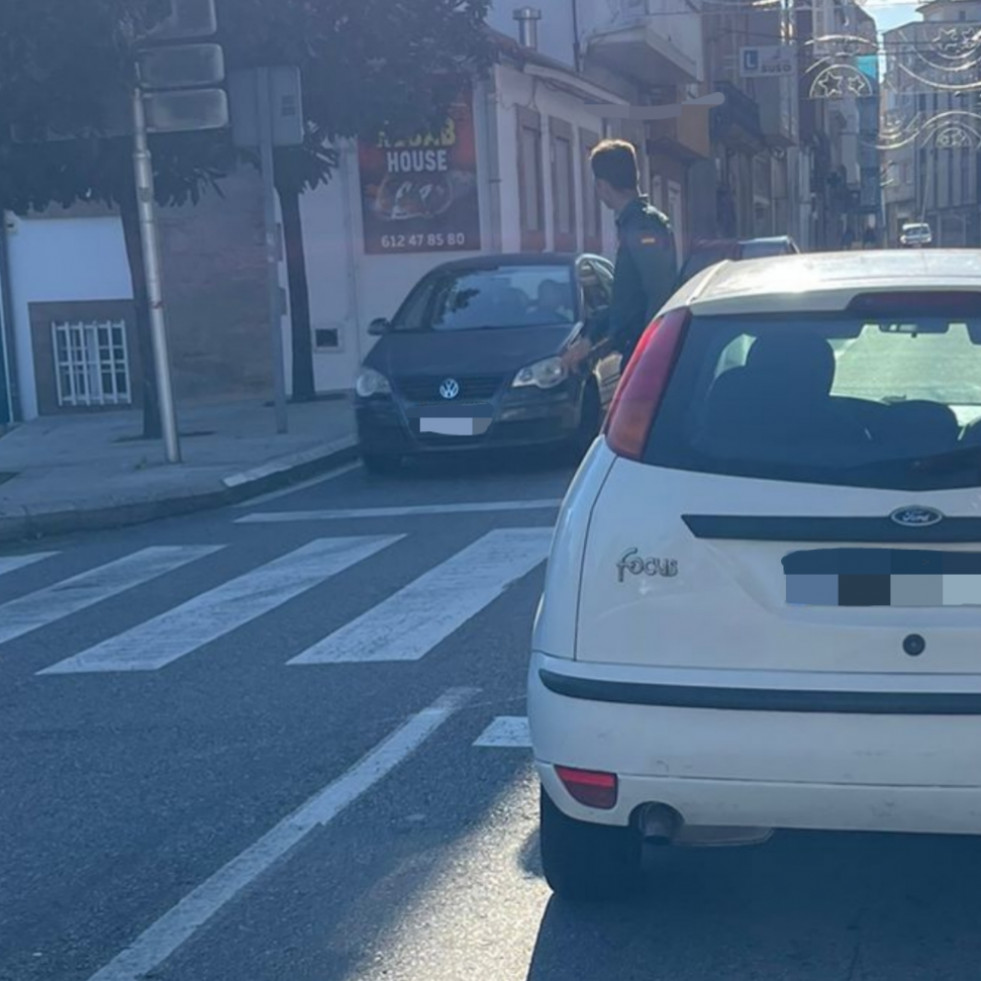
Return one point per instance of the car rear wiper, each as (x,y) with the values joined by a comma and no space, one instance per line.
(953,460)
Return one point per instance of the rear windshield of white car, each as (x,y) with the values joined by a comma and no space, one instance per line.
(844,399)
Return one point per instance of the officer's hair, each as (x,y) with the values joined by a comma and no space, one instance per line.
(615,161)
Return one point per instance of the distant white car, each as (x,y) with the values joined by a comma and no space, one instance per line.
(916,234)
(762,607)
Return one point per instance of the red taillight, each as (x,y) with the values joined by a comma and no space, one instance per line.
(590,787)
(643,383)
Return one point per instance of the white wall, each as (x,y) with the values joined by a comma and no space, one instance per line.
(517,89)
(349,289)
(53,259)
(672,19)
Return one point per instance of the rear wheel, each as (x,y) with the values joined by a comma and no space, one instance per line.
(588,861)
(381,464)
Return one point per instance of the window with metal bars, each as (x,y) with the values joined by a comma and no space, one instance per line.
(91,363)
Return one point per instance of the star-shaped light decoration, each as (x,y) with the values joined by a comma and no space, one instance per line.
(956,42)
(953,137)
(858,85)
(828,85)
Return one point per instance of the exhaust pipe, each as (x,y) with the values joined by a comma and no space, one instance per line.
(660,822)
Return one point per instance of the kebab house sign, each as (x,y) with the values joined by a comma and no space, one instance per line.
(420,194)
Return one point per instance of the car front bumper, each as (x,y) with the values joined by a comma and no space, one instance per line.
(392,427)
(737,768)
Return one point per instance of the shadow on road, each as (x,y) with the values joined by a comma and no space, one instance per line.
(806,907)
(488,463)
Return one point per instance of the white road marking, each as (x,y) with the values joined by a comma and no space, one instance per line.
(506,732)
(182,921)
(291,462)
(157,642)
(475,507)
(38,609)
(303,485)
(11,563)
(409,624)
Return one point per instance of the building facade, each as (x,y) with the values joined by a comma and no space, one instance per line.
(932,123)
(566,76)
(508,172)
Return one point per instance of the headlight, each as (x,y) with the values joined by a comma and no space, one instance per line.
(541,374)
(371,382)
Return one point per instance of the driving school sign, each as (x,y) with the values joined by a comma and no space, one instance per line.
(420,194)
(767,61)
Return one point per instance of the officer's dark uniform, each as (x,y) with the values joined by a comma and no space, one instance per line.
(646,270)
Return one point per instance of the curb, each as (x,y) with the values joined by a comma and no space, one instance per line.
(234,489)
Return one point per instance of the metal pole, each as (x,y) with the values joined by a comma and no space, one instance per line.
(272,247)
(143,166)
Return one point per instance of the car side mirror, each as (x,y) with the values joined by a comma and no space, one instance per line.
(379,326)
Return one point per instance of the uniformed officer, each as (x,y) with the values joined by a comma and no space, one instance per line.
(646,264)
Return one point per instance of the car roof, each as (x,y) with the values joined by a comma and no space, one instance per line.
(490,260)
(826,281)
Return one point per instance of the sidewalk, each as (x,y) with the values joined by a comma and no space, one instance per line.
(84,472)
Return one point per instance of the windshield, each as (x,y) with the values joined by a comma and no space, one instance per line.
(889,402)
(490,299)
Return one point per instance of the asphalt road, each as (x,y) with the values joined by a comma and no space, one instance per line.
(179,802)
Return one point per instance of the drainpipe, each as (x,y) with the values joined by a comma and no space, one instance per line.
(576,38)
(348,163)
(493,161)
(7,340)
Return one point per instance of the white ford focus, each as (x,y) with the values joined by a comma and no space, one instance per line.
(762,607)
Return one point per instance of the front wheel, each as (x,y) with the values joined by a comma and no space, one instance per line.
(588,861)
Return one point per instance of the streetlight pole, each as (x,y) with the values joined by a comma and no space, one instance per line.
(143,168)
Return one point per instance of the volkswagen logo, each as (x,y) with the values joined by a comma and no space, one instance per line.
(916,517)
(450,388)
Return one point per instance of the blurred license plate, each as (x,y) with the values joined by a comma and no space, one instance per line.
(449,426)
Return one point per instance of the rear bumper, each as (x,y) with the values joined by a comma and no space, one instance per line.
(386,426)
(747,766)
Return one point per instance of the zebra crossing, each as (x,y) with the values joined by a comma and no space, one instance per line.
(405,626)
(44,607)
(409,624)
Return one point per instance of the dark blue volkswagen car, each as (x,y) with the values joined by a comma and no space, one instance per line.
(496,351)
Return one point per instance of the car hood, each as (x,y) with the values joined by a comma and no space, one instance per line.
(461,352)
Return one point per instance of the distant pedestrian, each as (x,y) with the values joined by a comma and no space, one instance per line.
(646,263)
(847,238)
(868,238)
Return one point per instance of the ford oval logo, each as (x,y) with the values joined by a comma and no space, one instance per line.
(916,517)
(450,388)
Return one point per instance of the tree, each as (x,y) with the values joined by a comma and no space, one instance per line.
(367,66)
(63,66)
(67,70)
